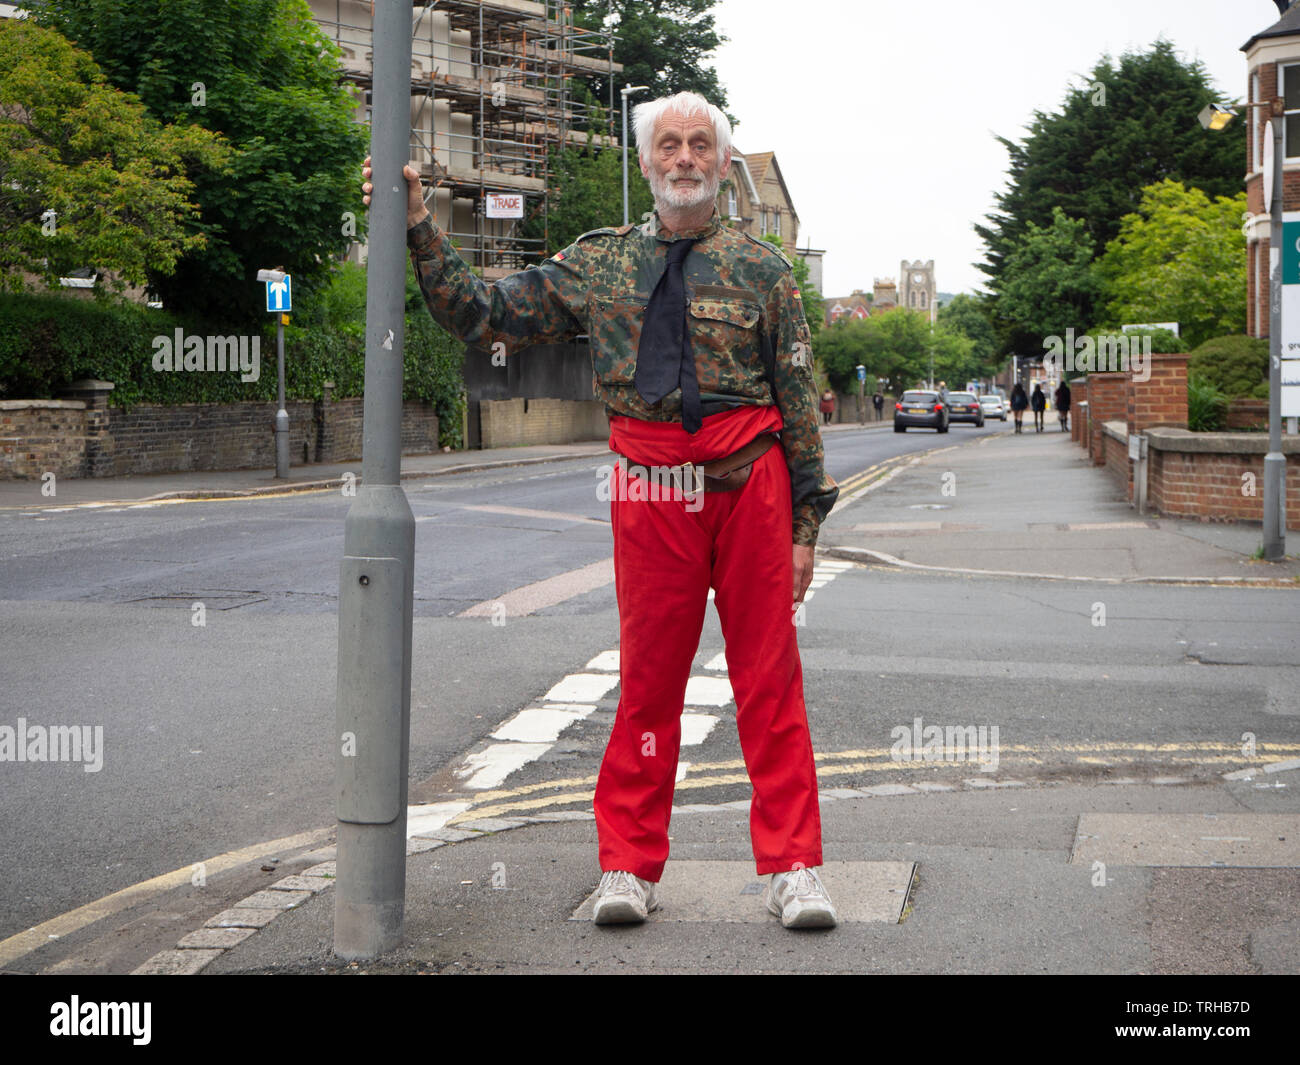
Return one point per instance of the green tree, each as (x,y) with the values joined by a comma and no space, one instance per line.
(894,345)
(1131,124)
(587,193)
(1049,283)
(262,74)
(665,44)
(966,315)
(1179,258)
(814,306)
(87,177)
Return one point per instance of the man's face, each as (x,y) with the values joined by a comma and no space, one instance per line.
(683,165)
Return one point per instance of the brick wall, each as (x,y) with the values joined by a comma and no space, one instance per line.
(1107,401)
(512,422)
(1162,398)
(1115,456)
(1199,475)
(1079,421)
(1247,414)
(86,438)
(42,435)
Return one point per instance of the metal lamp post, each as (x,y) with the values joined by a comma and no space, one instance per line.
(626,91)
(373,706)
(1215,117)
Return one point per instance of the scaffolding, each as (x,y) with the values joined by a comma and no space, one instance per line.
(491,97)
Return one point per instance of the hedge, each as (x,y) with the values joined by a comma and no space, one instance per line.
(49,340)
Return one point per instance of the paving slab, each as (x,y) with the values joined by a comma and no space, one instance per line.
(1233,840)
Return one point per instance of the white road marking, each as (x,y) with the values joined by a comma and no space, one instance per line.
(540,724)
(431,816)
(490,767)
(718,661)
(696,728)
(541,594)
(607,660)
(681,772)
(581,688)
(708,691)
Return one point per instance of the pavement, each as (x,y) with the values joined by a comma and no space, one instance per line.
(983,874)
(1032,505)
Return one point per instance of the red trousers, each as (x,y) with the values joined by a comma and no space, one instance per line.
(667,553)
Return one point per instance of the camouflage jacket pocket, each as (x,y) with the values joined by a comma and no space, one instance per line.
(615,332)
(724,338)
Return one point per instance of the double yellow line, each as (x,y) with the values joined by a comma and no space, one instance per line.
(863,477)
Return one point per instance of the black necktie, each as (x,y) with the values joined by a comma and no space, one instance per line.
(664,360)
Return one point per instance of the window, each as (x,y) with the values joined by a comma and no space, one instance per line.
(732,210)
(923,299)
(763,226)
(1291,106)
(776,222)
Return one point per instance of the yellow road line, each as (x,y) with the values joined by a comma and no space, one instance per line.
(492,808)
(65,924)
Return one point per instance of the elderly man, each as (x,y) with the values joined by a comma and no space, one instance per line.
(703,358)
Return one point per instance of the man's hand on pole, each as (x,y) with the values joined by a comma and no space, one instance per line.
(416,212)
(803,570)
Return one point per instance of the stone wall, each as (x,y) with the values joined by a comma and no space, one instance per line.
(512,422)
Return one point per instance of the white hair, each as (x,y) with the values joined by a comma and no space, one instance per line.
(645,116)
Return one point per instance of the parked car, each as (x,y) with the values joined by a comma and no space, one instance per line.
(965,407)
(923,409)
(993,406)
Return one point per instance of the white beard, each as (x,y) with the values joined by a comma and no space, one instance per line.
(685,195)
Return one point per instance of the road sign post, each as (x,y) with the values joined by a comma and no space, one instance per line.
(279,301)
(373,708)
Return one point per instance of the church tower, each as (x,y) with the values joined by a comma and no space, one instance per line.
(917,290)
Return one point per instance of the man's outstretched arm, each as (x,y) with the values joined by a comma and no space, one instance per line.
(536,305)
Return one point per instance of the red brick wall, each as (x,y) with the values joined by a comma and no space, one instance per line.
(1162,398)
(1115,455)
(1247,414)
(1209,485)
(1107,401)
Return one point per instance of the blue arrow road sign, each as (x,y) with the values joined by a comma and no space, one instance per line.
(279,296)
(862,374)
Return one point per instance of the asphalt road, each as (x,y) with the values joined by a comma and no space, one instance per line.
(217,736)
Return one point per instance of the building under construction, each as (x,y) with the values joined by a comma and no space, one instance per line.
(492,94)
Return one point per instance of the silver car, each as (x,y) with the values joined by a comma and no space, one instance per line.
(993,407)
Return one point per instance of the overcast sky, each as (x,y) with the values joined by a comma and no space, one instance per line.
(882,114)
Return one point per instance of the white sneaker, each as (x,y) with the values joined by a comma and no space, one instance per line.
(623,899)
(799,898)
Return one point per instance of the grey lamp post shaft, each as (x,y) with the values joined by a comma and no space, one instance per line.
(281,415)
(1275,461)
(375,587)
(624,139)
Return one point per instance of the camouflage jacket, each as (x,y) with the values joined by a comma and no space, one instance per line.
(736,287)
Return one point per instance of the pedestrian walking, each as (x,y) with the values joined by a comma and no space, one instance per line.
(1062,399)
(878,401)
(1019,401)
(700,350)
(827,406)
(1038,401)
